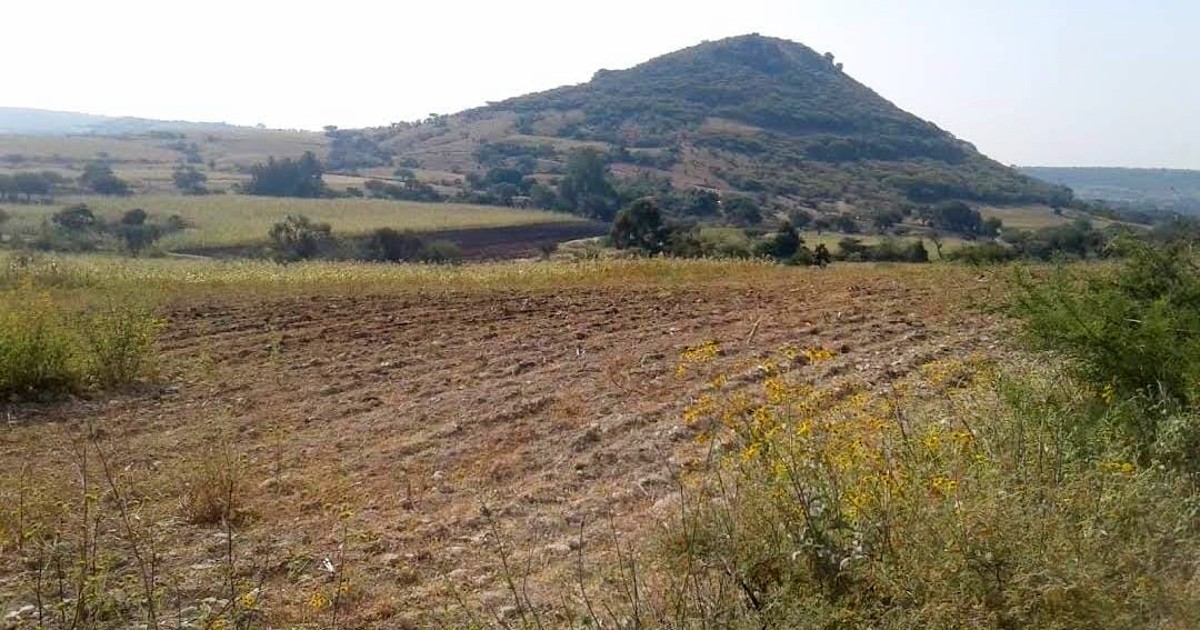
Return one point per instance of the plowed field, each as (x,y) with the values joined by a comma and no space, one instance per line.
(405,437)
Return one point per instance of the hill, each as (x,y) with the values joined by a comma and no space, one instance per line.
(750,114)
(42,122)
(1166,189)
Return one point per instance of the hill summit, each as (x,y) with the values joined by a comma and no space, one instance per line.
(750,114)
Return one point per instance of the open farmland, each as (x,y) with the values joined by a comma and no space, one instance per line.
(414,414)
(220,221)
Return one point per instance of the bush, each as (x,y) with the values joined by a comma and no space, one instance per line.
(392,245)
(35,347)
(1134,333)
(441,251)
(118,340)
(640,226)
(982,254)
(46,348)
(889,249)
(964,496)
(299,238)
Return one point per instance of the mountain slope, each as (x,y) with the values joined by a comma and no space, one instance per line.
(751,114)
(42,122)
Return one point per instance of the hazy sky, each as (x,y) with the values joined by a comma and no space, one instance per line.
(1054,82)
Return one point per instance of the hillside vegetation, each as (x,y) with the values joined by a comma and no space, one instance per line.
(751,114)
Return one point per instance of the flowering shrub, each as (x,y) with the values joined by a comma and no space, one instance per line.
(956,497)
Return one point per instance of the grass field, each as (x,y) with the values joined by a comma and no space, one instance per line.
(238,146)
(236,220)
(1035,217)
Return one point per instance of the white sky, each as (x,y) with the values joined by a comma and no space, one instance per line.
(1055,82)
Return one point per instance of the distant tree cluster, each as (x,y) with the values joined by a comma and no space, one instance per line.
(351,149)
(288,177)
(77,228)
(189,181)
(26,186)
(642,227)
(962,219)
(298,238)
(98,177)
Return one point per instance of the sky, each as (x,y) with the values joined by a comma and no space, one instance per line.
(1049,82)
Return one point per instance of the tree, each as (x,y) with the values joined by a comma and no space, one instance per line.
(76,218)
(640,226)
(395,246)
(741,210)
(935,237)
(98,177)
(800,219)
(30,184)
(287,177)
(135,232)
(956,216)
(787,242)
(821,255)
(189,180)
(701,203)
(299,238)
(586,188)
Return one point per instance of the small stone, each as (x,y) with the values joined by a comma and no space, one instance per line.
(559,548)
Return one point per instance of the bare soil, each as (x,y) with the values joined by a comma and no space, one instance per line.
(419,430)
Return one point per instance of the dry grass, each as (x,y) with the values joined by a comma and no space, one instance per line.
(237,220)
(227,147)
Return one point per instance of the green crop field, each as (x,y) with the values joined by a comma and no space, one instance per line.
(238,220)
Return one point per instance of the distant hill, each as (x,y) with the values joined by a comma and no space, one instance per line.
(41,122)
(750,114)
(1165,189)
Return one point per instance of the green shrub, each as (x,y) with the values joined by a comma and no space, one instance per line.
(299,238)
(118,342)
(50,347)
(1132,333)
(441,251)
(963,497)
(35,348)
(391,245)
(982,254)
(1136,330)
